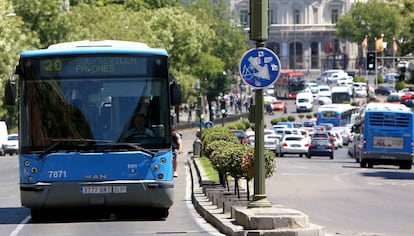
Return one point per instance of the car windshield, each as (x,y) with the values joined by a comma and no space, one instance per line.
(293,138)
(308,124)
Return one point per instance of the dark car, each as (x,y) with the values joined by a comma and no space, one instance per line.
(241,135)
(383,90)
(321,147)
(324,135)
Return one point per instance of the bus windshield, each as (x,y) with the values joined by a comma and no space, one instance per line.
(94,98)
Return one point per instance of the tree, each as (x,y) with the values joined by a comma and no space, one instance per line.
(407,35)
(46,18)
(13,39)
(218,64)
(372,18)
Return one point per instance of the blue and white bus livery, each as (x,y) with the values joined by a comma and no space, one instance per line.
(77,100)
(388,135)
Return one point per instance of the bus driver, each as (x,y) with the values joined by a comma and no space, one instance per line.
(140,128)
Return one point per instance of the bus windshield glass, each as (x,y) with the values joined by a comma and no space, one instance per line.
(93,98)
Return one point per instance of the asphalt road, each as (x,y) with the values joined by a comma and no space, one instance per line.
(16,221)
(341,196)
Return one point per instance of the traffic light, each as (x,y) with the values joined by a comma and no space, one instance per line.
(371,59)
(223,109)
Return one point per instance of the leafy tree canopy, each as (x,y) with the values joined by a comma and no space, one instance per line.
(372,18)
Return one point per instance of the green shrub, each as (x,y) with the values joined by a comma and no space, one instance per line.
(214,134)
(220,155)
(291,118)
(246,123)
(309,116)
(380,78)
(400,85)
(360,79)
(247,163)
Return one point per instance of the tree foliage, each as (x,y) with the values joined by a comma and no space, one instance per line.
(372,18)
(13,39)
(46,18)
(407,34)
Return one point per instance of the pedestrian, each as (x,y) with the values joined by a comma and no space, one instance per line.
(176,144)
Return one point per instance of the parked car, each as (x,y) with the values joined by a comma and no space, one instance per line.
(321,147)
(241,135)
(12,144)
(293,144)
(383,90)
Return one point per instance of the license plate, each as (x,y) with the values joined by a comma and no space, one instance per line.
(295,145)
(103,189)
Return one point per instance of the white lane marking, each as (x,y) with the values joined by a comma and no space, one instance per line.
(20,226)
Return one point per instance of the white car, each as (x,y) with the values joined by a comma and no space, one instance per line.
(324,91)
(271,142)
(324,100)
(336,76)
(360,92)
(293,144)
(348,80)
(305,134)
(269,132)
(269,99)
(312,86)
(12,144)
(337,138)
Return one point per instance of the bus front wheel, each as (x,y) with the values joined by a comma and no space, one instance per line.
(406,165)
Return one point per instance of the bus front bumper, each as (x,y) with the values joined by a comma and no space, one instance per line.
(98,194)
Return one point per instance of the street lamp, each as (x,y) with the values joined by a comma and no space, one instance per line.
(197,87)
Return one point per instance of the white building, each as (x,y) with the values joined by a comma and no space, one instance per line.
(306,28)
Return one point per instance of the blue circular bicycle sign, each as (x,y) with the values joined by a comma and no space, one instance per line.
(260,67)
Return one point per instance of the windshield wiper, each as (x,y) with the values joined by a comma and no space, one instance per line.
(56,142)
(134,146)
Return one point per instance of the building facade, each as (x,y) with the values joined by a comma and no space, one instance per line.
(302,33)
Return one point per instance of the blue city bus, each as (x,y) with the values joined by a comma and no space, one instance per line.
(76,103)
(339,115)
(388,137)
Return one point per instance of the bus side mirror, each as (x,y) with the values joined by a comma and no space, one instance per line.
(175,90)
(10,93)
(175,93)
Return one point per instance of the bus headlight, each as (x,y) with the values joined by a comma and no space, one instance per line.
(163,160)
(34,170)
(156,167)
(160,176)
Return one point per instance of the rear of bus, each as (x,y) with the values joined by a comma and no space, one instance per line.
(330,116)
(388,139)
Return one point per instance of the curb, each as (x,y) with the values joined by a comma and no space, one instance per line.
(209,201)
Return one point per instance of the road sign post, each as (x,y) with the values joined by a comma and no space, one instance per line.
(259,68)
